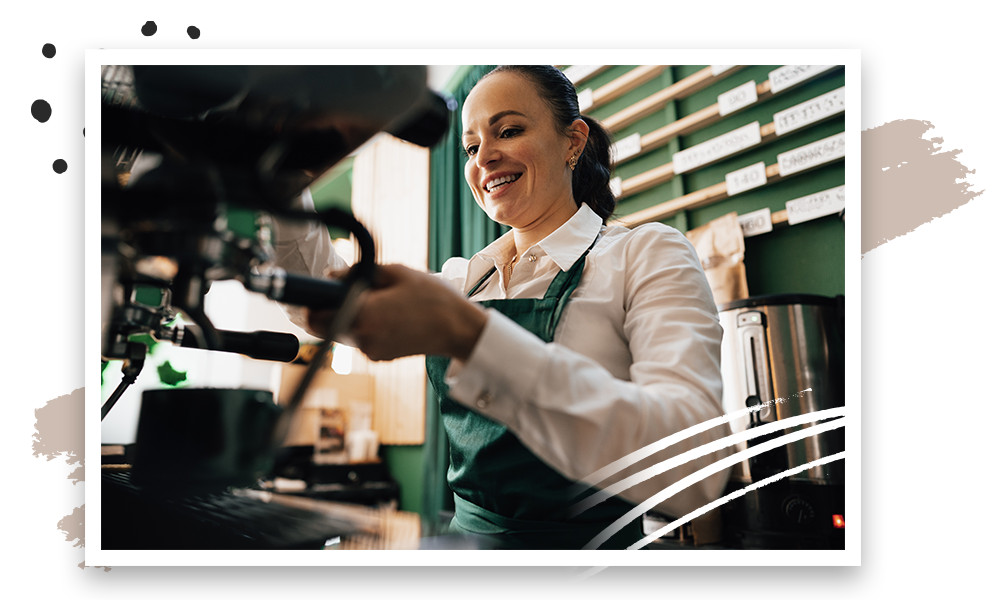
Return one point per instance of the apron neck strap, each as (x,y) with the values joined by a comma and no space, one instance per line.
(558,285)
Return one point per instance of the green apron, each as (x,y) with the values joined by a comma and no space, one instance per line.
(501,488)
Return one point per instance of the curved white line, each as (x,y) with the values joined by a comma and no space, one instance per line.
(727,498)
(630,459)
(674,461)
(715,504)
(700,474)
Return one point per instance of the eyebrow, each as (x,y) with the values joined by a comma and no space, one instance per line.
(497,117)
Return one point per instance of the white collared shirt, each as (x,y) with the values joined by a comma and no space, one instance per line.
(635,358)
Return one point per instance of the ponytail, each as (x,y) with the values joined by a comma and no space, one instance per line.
(592,176)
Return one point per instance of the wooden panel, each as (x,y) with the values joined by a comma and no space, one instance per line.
(664,173)
(699,120)
(622,85)
(655,102)
(578,80)
(391,196)
(350,390)
(697,199)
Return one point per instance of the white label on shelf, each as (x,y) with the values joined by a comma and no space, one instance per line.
(616,186)
(746,178)
(585,99)
(720,69)
(810,111)
(811,155)
(577,73)
(789,75)
(717,147)
(814,206)
(737,98)
(626,148)
(756,222)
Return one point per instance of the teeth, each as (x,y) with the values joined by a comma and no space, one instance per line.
(495,183)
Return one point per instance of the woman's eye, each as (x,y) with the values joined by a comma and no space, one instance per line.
(509,132)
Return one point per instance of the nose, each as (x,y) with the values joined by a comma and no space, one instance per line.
(487,153)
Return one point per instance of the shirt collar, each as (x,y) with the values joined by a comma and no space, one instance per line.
(564,245)
(568,243)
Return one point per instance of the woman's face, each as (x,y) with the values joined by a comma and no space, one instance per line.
(517,160)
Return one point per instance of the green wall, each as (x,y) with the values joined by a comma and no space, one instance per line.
(406,464)
(805,258)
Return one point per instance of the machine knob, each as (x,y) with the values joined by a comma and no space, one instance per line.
(799,512)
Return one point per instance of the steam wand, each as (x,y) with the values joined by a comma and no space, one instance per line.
(130,372)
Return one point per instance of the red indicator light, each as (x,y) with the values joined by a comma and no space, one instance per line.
(838,521)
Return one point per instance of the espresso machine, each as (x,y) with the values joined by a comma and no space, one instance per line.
(782,357)
(181,146)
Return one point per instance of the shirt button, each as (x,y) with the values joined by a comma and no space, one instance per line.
(484,400)
(532,258)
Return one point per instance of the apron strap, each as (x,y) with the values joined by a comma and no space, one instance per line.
(563,279)
(475,288)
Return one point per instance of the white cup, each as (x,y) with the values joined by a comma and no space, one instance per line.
(362,445)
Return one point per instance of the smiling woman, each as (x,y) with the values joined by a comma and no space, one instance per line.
(564,345)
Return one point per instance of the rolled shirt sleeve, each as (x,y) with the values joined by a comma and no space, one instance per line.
(303,248)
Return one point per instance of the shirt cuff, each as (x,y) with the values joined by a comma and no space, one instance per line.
(503,371)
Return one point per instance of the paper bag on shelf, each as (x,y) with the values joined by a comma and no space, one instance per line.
(720,248)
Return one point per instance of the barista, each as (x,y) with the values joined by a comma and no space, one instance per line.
(561,347)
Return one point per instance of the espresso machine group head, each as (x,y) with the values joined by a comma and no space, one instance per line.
(180,146)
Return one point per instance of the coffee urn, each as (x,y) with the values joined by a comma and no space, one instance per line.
(785,353)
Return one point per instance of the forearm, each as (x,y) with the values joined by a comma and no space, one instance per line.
(303,248)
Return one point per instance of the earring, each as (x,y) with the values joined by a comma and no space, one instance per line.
(572,163)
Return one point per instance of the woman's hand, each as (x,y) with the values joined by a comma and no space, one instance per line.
(408,312)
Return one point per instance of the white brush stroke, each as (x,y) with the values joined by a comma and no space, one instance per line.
(630,459)
(700,474)
(674,461)
(717,503)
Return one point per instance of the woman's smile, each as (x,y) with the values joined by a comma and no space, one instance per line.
(499,185)
(499,182)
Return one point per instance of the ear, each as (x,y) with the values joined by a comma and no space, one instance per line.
(579,131)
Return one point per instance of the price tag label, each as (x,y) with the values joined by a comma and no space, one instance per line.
(811,155)
(746,178)
(720,69)
(817,205)
(626,148)
(737,98)
(616,186)
(717,148)
(577,73)
(585,99)
(789,75)
(756,222)
(809,112)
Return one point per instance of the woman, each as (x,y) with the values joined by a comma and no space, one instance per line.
(571,343)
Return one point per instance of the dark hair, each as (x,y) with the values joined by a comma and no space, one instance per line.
(592,176)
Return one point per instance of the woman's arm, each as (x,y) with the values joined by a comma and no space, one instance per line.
(304,248)
(576,416)
(565,407)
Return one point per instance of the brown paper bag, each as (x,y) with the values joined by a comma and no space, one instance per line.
(719,244)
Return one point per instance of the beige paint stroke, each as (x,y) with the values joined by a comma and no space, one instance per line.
(59,433)
(906,181)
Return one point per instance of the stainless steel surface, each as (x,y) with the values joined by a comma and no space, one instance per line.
(791,356)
